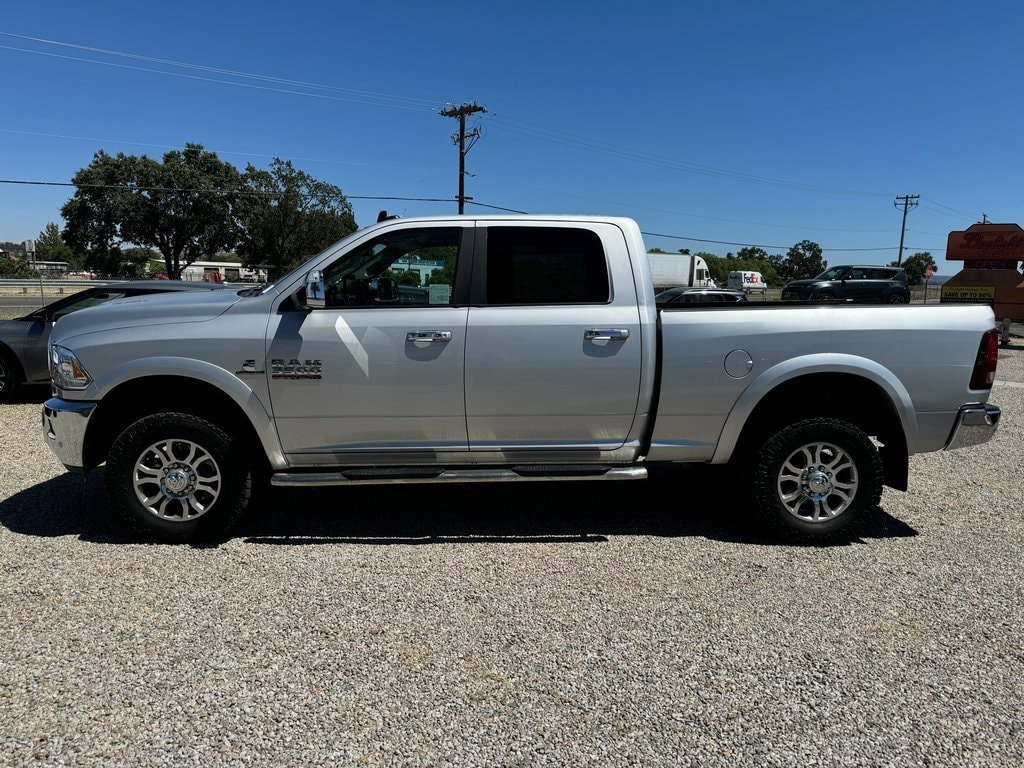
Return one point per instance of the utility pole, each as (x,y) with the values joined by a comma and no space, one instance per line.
(909,201)
(460,139)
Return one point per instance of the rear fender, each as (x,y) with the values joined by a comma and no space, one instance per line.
(794,368)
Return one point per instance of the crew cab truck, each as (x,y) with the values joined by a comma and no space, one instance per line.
(536,352)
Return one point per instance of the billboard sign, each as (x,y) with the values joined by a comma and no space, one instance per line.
(987,246)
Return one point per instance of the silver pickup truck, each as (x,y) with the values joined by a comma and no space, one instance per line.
(498,349)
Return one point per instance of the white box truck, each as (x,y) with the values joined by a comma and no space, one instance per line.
(678,270)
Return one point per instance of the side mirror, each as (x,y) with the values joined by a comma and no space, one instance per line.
(315,294)
(387,290)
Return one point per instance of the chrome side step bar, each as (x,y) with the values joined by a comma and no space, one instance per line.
(395,476)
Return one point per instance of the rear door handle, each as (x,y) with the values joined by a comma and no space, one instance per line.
(606,334)
(432,337)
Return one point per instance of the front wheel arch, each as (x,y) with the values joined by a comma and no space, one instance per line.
(141,397)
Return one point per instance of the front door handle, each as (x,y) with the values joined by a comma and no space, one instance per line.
(606,334)
(432,337)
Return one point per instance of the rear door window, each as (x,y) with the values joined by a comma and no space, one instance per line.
(545,265)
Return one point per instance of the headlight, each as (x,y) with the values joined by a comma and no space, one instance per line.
(66,371)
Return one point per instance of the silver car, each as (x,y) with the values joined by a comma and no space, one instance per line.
(23,341)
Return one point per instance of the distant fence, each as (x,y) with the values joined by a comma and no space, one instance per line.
(19,297)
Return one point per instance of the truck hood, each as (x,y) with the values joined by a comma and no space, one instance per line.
(151,309)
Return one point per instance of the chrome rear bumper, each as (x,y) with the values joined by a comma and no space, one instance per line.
(64,425)
(975,424)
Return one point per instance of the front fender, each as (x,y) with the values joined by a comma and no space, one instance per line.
(794,368)
(227,382)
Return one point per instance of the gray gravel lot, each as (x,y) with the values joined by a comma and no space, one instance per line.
(577,624)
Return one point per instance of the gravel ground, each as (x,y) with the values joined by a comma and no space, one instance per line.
(580,624)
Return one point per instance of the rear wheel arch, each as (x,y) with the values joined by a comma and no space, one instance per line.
(845,396)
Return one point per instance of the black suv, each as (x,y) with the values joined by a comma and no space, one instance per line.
(856,283)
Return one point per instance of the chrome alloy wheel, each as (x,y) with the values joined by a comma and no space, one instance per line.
(177,480)
(817,482)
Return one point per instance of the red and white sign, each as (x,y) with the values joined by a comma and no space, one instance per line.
(987,242)
(928,272)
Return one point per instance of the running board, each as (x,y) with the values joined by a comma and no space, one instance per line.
(400,475)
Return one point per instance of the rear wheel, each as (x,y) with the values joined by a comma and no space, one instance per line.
(816,479)
(176,477)
(8,380)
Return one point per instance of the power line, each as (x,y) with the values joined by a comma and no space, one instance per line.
(218,70)
(514,125)
(253,192)
(292,91)
(757,245)
(615,150)
(28,182)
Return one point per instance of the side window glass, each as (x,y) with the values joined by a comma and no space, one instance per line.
(408,267)
(546,265)
(89,301)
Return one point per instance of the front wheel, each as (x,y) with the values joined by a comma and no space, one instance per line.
(816,479)
(177,477)
(897,298)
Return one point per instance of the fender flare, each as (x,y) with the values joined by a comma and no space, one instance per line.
(189,368)
(797,367)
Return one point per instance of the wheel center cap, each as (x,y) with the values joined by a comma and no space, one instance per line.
(176,481)
(818,482)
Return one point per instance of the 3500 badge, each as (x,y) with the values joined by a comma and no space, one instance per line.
(294,369)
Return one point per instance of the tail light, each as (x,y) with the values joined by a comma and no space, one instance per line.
(985,365)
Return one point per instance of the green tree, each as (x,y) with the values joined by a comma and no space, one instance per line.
(285,215)
(445,275)
(717,266)
(50,246)
(181,206)
(15,269)
(916,265)
(750,259)
(802,261)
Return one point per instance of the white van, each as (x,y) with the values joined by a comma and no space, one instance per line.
(747,282)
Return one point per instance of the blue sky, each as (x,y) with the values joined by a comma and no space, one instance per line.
(748,122)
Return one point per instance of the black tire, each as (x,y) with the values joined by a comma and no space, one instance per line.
(8,380)
(897,298)
(816,480)
(824,296)
(176,477)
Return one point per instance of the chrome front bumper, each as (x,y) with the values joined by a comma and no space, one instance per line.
(64,425)
(975,424)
